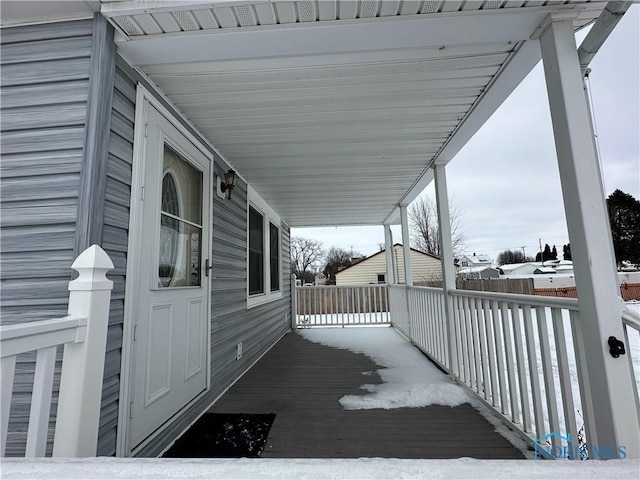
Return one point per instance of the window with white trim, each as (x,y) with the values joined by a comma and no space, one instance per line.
(264,269)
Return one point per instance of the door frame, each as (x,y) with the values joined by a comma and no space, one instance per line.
(132,282)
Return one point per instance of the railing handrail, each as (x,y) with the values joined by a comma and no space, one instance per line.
(427,289)
(360,285)
(26,337)
(535,300)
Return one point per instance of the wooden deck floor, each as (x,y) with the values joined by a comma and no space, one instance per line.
(301,382)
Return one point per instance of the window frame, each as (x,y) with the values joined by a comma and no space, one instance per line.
(269,216)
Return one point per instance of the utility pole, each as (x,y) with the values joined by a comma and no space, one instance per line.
(540,244)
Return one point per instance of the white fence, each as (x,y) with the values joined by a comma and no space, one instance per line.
(515,352)
(83,333)
(332,305)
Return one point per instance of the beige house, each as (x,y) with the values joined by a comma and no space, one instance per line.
(372,269)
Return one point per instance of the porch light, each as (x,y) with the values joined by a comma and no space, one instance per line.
(229,183)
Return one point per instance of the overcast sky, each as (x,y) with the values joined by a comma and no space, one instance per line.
(508,191)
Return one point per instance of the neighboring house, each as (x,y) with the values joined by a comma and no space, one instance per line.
(372,269)
(474,260)
(320,279)
(517,270)
(478,272)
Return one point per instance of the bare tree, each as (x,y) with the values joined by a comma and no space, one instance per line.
(425,231)
(507,257)
(306,255)
(338,258)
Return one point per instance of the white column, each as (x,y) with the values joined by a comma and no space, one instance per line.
(78,416)
(446,259)
(388,246)
(610,383)
(406,247)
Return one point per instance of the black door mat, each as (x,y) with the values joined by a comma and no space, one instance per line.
(223,435)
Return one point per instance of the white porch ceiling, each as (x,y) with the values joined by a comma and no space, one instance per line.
(334,111)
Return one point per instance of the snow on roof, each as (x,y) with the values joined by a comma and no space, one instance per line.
(544,270)
(479,269)
(513,266)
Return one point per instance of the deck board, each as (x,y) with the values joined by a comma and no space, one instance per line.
(302,382)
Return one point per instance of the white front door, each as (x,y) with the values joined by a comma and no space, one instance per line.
(170,333)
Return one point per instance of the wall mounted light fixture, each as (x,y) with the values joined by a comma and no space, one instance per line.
(227,184)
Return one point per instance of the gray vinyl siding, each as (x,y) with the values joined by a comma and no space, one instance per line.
(45,73)
(115,238)
(45,105)
(257,328)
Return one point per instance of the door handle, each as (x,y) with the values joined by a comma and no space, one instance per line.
(207,267)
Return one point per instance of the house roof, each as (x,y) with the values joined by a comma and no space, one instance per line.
(395,246)
(333,111)
(480,269)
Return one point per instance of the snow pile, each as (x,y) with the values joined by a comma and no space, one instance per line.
(362,468)
(409,379)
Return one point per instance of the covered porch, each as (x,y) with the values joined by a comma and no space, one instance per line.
(341,113)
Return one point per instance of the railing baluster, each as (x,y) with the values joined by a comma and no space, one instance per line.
(471,353)
(533,371)
(8,370)
(522,375)
(489,322)
(465,351)
(547,369)
(497,335)
(475,325)
(482,330)
(511,364)
(564,375)
(41,403)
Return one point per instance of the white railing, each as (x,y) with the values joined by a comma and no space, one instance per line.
(83,333)
(517,353)
(428,323)
(399,309)
(337,305)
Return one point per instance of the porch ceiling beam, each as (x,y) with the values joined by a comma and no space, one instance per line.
(322,38)
(600,31)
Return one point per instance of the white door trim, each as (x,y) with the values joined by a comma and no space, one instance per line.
(132,287)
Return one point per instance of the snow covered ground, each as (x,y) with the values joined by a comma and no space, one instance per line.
(363,468)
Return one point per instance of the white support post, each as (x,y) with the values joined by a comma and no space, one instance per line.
(406,247)
(610,380)
(388,245)
(294,304)
(78,414)
(446,259)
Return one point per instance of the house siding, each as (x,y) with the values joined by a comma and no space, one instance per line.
(231,322)
(45,76)
(424,268)
(115,240)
